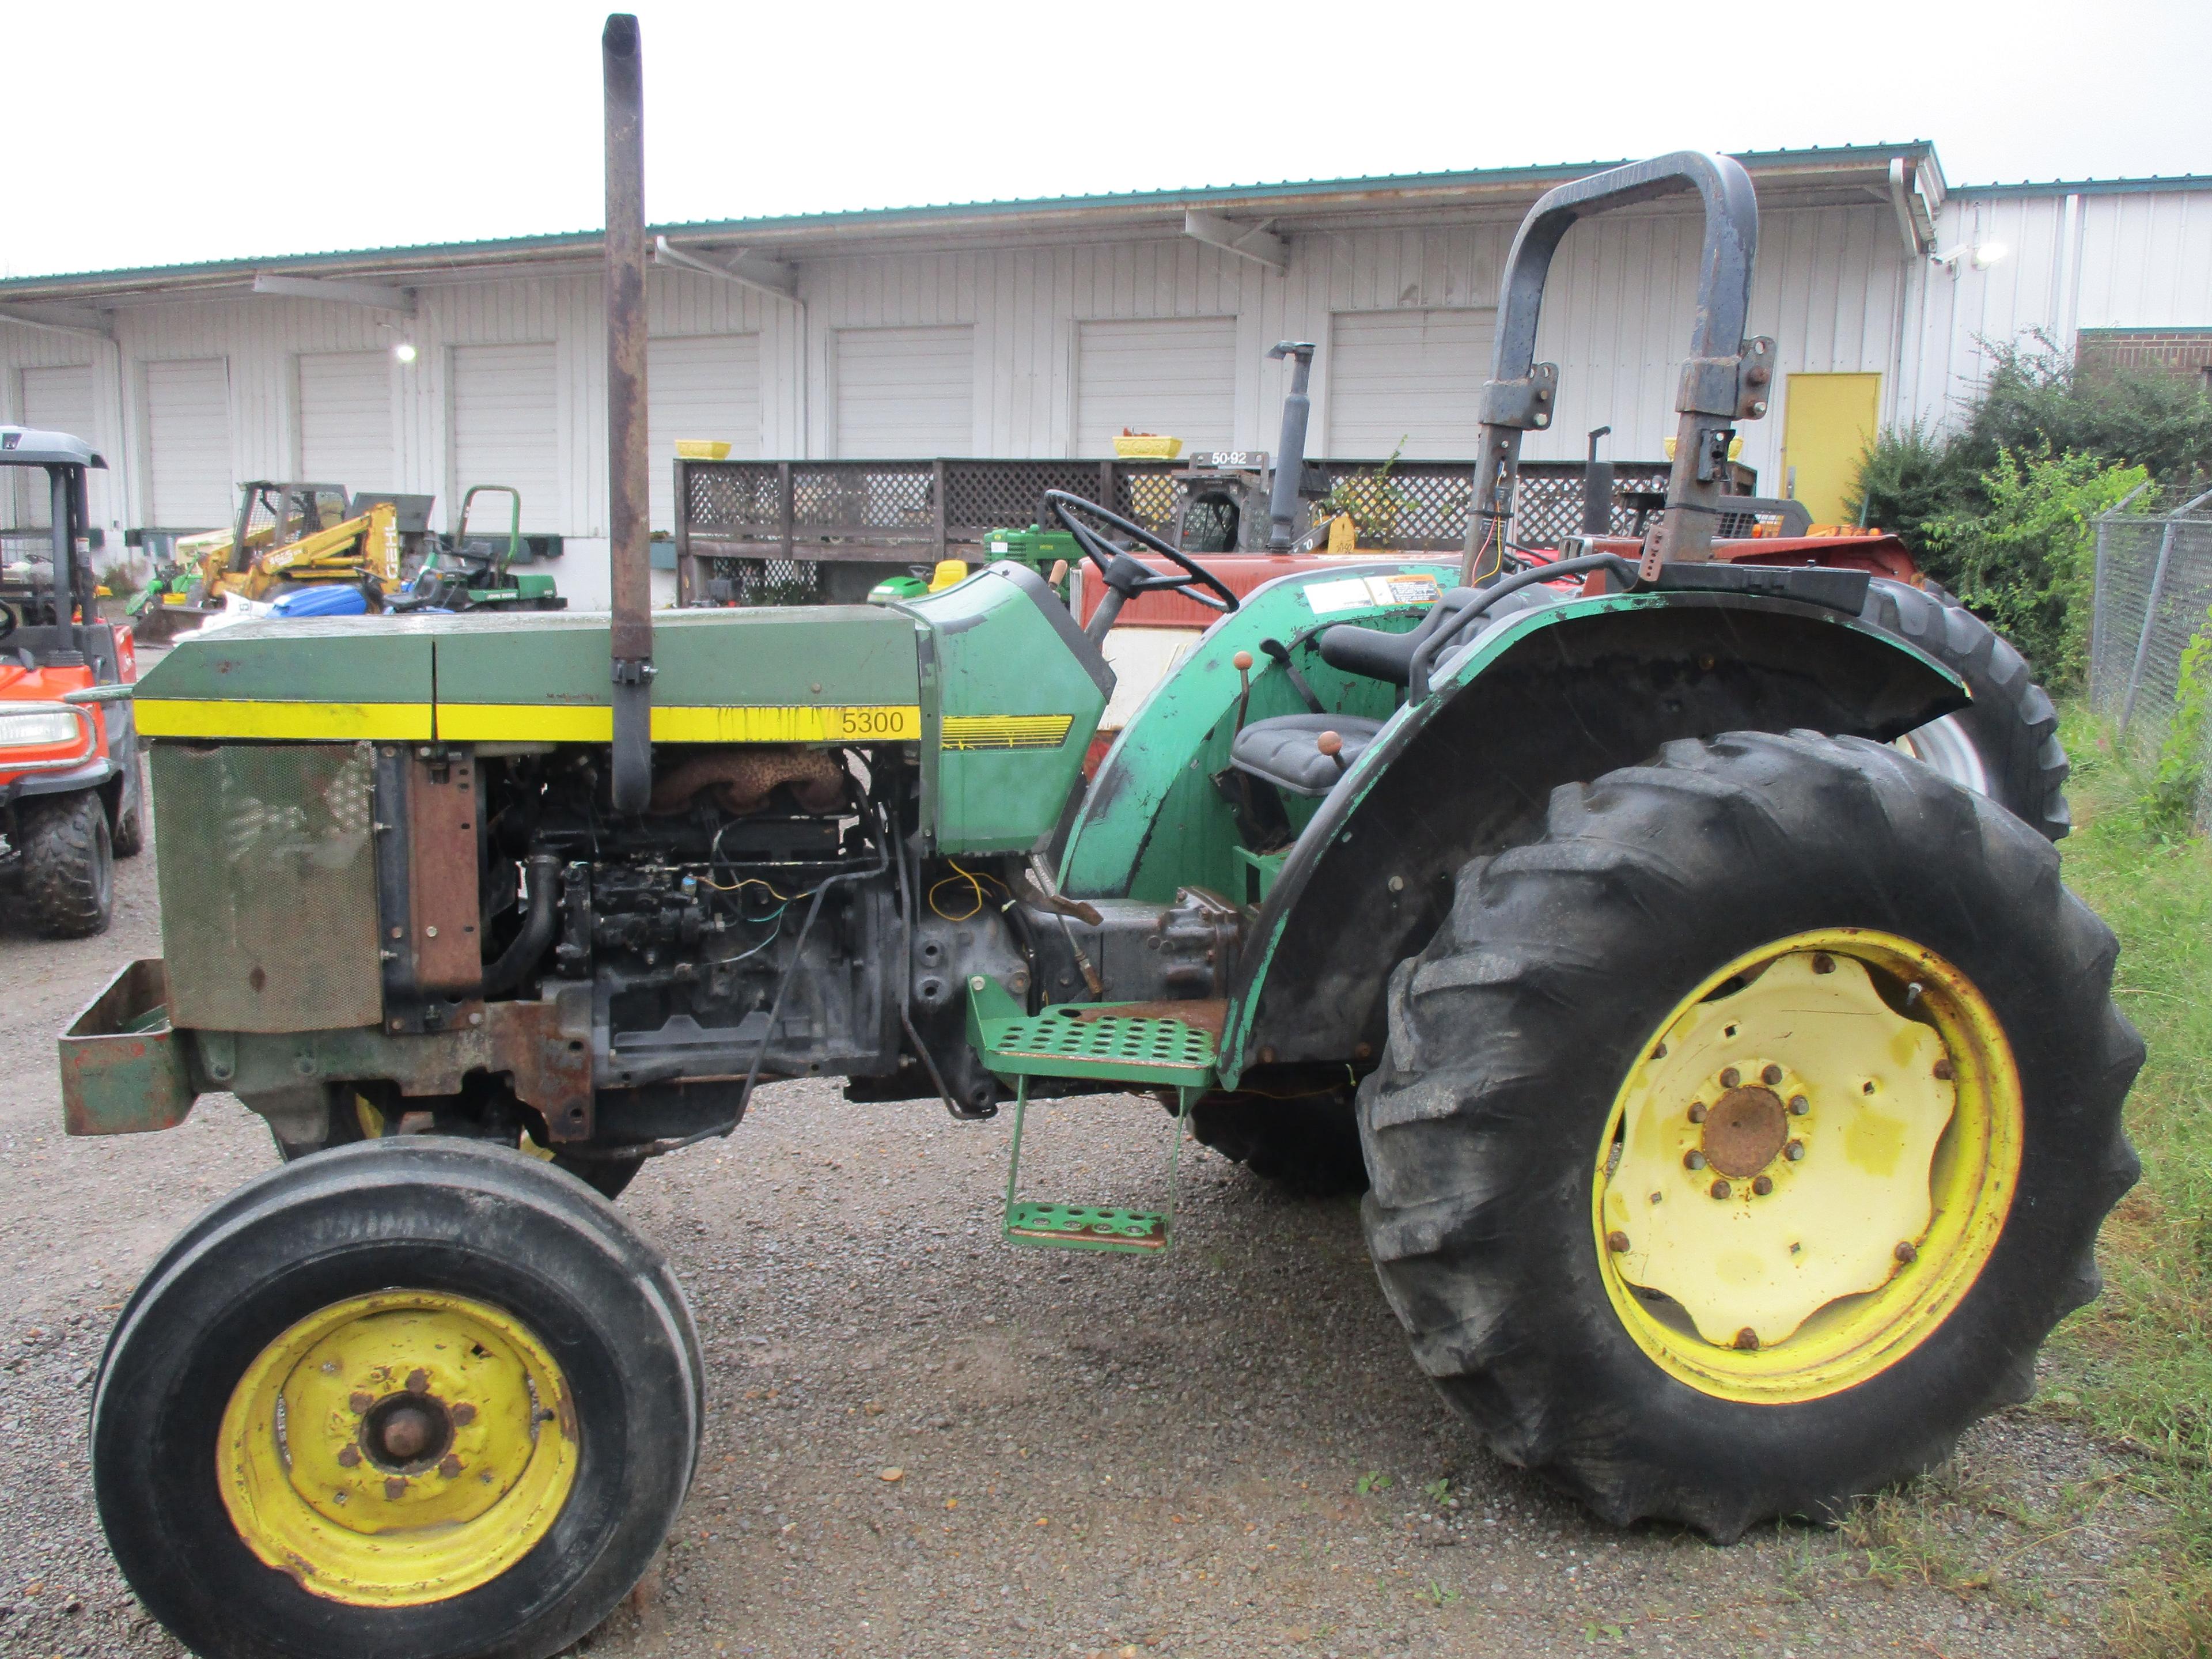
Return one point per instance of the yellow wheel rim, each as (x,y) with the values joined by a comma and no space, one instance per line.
(1809,1166)
(397,1448)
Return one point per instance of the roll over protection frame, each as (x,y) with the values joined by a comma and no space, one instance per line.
(1725,379)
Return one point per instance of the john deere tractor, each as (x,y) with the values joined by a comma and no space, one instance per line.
(1737,1096)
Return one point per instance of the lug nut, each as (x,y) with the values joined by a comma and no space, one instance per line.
(1799,1105)
(395,1489)
(1771,1076)
(1731,1077)
(1719,1190)
(1617,1241)
(1747,1339)
(1945,1070)
(1824,964)
(1693,1160)
(1906,1251)
(1763,1185)
(1697,1111)
(1794,1151)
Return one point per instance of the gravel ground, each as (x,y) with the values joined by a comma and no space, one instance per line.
(923,1442)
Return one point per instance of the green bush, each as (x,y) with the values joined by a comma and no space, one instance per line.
(1997,510)
(2027,561)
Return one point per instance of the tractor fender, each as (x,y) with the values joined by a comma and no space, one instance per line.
(1550,695)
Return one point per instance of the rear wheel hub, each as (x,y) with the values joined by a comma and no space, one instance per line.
(1808,1167)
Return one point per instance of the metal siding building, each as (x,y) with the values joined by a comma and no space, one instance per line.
(1044,328)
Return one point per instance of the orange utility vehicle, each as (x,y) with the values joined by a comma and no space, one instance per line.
(72,791)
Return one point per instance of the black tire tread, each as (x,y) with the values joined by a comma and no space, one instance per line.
(371,1173)
(2012,722)
(1530,945)
(68,863)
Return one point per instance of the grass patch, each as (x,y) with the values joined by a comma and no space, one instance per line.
(2138,1360)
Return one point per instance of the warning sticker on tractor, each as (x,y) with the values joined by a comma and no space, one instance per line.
(1365,593)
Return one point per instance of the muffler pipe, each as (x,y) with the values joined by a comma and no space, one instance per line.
(1290,456)
(630,635)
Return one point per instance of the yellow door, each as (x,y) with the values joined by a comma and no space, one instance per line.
(1827,425)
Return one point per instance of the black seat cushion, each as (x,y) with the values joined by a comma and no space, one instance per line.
(1285,751)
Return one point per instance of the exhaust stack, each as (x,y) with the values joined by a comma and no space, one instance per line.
(621,56)
(1290,455)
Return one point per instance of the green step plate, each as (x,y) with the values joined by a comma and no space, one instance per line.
(1081,1227)
(1061,1043)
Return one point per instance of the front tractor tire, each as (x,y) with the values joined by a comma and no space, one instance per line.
(407,1397)
(1746,1128)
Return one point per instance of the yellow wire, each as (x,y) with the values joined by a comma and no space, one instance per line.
(755,881)
(973,881)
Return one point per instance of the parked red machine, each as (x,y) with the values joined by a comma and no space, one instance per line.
(72,790)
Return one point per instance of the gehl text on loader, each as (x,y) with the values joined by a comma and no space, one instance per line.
(1737,1096)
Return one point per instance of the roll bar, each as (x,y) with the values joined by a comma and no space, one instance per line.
(1726,379)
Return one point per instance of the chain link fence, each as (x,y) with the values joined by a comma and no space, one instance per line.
(2154,595)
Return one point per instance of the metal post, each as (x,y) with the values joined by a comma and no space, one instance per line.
(937,494)
(64,545)
(628,490)
(2150,605)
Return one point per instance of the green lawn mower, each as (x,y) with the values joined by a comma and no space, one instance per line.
(1736,1098)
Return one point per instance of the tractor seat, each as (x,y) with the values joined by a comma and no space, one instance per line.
(1285,751)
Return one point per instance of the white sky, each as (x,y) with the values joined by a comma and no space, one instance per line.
(178,132)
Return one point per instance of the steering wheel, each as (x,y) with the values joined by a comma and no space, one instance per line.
(1123,574)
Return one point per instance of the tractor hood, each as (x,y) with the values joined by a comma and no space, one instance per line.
(839,673)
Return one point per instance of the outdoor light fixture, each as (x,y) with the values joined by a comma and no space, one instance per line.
(1980,255)
(405,352)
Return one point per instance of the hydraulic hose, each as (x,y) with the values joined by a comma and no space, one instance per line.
(513,964)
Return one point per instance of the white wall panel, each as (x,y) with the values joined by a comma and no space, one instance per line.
(54,399)
(704,385)
(1412,377)
(1175,375)
(189,481)
(346,420)
(506,422)
(905,392)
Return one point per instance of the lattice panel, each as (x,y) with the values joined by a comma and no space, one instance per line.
(1422,505)
(764,582)
(724,496)
(863,495)
(1006,497)
(1148,498)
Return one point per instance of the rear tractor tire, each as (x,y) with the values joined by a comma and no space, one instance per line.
(1745,1130)
(68,863)
(454,1404)
(2006,745)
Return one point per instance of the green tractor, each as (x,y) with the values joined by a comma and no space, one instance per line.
(1737,1098)
(474,572)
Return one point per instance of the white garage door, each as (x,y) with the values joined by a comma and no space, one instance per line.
(1173,375)
(506,428)
(54,400)
(704,386)
(189,483)
(1410,375)
(905,392)
(345,420)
